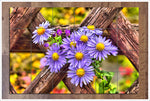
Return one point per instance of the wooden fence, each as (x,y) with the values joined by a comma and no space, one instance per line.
(123,34)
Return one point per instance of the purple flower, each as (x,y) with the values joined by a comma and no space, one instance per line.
(55,58)
(42,33)
(46,45)
(54,34)
(81,74)
(59,32)
(95,31)
(83,36)
(79,54)
(70,42)
(99,47)
(43,62)
(67,32)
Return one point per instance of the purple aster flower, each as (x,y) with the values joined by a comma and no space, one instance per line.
(42,33)
(79,54)
(67,32)
(99,47)
(59,32)
(54,34)
(46,45)
(43,62)
(70,42)
(81,74)
(55,58)
(91,29)
(84,36)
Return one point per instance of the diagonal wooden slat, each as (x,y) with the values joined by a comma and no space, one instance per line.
(11,89)
(20,19)
(95,25)
(101,17)
(39,19)
(105,13)
(126,39)
(48,86)
(45,81)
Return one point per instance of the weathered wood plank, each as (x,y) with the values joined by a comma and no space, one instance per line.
(25,39)
(39,19)
(134,88)
(101,17)
(104,19)
(19,21)
(12,90)
(126,39)
(88,89)
(45,81)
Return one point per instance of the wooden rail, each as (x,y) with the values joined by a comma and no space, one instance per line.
(111,13)
(101,18)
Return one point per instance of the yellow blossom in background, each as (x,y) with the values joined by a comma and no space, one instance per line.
(13,78)
(36,64)
(91,27)
(124,10)
(15,65)
(72,20)
(80,10)
(70,12)
(39,54)
(128,82)
(10,10)
(67,16)
(63,21)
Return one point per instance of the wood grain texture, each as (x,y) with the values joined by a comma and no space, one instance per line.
(126,38)
(39,19)
(143,60)
(134,88)
(26,44)
(88,89)
(45,81)
(12,90)
(98,12)
(19,21)
(101,17)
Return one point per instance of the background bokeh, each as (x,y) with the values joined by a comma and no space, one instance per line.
(24,67)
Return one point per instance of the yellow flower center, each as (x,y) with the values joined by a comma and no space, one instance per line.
(80,72)
(84,38)
(55,56)
(91,27)
(72,44)
(79,56)
(100,46)
(41,31)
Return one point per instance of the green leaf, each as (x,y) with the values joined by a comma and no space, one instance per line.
(102,86)
(113,91)
(109,76)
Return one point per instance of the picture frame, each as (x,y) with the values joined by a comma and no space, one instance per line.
(143,50)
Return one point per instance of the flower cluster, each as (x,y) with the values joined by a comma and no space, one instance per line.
(78,49)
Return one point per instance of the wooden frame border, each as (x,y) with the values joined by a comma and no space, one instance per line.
(143,50)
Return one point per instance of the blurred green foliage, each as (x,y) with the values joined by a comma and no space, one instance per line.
(132,14)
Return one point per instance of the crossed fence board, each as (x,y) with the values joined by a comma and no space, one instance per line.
(123,34)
